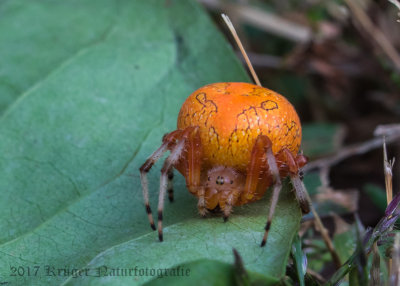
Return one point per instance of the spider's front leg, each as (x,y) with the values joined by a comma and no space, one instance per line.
(294,165)
(170,187)
(185,151)
(190,166)
(169,141)
(262,157)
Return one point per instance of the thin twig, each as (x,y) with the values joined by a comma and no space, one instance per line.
(387,130)
(397,4)
(374,32)
(239,43)
(352,150)
(387,170)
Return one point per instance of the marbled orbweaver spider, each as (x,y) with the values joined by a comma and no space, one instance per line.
(233,141)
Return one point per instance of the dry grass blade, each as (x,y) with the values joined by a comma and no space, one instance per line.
(387,168)
(242,50)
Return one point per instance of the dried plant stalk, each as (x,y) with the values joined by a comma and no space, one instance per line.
(387,169)
(239,43)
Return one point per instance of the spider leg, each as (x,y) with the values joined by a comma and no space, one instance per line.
(257,163)
(201,205)
(171,159)
(170,187)
(262,155)
(190,166)
(194,158)
(229,203)
(300,190)
(177,152)
(168,142)
(274,171)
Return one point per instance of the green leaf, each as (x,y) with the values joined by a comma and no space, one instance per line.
(79,124)
(377,196)
(210,238)
(299,259)
(201,272)
(34,42)
(345,243)
(209,272)
(313,182)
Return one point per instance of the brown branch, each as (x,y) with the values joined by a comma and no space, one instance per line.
(393,134)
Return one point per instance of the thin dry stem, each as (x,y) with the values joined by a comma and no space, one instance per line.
(239,43)
(387,170)
(325,235)
(387,130)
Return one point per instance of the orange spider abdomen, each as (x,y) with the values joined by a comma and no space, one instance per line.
(231,115)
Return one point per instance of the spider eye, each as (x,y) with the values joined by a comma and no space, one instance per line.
(208,178)
(220,180)
(231,182)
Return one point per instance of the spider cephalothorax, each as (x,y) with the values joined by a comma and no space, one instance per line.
(221,189)
(233,141)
